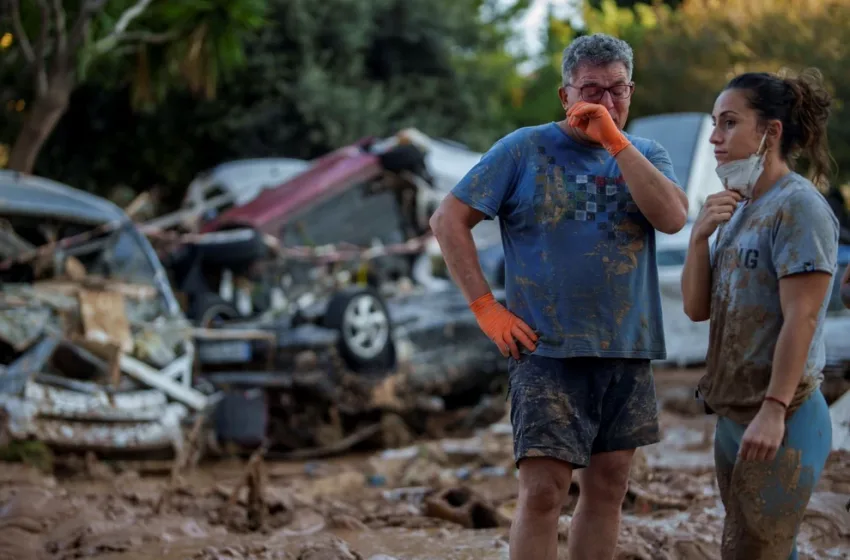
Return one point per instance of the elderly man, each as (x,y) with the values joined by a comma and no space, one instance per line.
(579,202)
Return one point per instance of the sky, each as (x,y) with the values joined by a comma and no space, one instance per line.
(533,24)
(535,19)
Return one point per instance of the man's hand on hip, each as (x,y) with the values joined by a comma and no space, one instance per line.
(502,327)
(595,121)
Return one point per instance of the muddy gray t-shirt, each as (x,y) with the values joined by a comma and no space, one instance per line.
(789,230)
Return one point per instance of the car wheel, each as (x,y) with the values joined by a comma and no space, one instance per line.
(211,309)
(363,321)
(235,249)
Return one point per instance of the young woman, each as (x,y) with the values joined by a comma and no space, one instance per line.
(764,285)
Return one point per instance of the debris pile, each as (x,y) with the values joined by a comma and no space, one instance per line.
(94,353)
(86,364)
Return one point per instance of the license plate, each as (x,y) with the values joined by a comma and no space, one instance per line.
(225,352)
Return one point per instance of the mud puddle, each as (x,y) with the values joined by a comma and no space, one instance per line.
(384,506)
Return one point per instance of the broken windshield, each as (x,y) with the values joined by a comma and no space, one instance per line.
(108,252)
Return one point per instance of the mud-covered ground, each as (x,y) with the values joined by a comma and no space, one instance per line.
(383,506)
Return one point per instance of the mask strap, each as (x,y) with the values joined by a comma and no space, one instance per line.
(762,149)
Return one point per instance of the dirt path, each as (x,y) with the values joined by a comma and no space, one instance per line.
(379,506)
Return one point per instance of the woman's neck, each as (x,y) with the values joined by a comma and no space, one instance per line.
(773,171)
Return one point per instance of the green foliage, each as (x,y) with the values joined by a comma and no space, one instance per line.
(596,4)
(190,43)
(63,43)
(692,53)
(684,57)
(315,76)
(318,75)
(33,453)
(336,71)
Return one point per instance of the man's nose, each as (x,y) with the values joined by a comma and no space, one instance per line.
(607,100)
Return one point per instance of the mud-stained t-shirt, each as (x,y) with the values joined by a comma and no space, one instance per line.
(788,230)
(580,263)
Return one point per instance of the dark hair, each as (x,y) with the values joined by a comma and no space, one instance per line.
(803,105)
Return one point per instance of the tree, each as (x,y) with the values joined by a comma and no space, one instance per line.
(316,76)
(61,42)
(324,74)
(685,56)
(693,52)
(597,4)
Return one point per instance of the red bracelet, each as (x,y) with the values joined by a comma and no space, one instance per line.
(777,401)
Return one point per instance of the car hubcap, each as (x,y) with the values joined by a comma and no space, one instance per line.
(365,327)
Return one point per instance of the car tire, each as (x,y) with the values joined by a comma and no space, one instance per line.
(211,307)
(366,335)
(236,254)
(406,157)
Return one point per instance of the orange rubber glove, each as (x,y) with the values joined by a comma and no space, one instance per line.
(502,327)
(595,121)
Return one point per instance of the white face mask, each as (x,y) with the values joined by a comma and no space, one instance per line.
(741,175)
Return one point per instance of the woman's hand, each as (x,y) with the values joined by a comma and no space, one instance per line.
(763,436)
(717,209)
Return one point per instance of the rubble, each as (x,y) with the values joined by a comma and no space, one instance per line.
(96,357)
(366,507)
(77,378)
(94,353)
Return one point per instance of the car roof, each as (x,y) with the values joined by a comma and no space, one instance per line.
(245,178)
(328,176)
(22,194)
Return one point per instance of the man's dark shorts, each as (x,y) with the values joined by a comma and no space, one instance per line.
(572,408)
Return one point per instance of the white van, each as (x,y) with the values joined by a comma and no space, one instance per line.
(685,137)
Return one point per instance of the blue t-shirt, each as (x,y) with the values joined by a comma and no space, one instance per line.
(579,255)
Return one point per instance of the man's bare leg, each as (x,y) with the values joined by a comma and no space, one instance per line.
(543,487)
(595,527)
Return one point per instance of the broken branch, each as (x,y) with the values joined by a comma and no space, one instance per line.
(78,30)
(26,47)
(40,64)
(61,30)
(149,37)
(124,20)
(335,448)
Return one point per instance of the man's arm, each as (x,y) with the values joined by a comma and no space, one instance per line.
(845,287)
(480,194)
(659,199)
(651,180)
(452,225)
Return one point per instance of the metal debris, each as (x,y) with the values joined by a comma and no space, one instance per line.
(94,353)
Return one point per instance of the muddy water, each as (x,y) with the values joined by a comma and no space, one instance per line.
(373,506)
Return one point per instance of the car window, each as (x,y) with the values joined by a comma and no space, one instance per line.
(116,255)
(678,135)
(354,216)
(835,305)
(212,192)
(130,260)
(670,257)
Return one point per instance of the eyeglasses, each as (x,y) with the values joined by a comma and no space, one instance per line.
(594,94)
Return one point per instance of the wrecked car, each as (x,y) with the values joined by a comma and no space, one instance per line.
(95,352)
(448,379)
(289,249)
(837,324)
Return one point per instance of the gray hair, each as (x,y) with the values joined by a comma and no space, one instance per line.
(598,49)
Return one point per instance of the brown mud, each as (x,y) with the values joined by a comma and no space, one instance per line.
(448,500)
